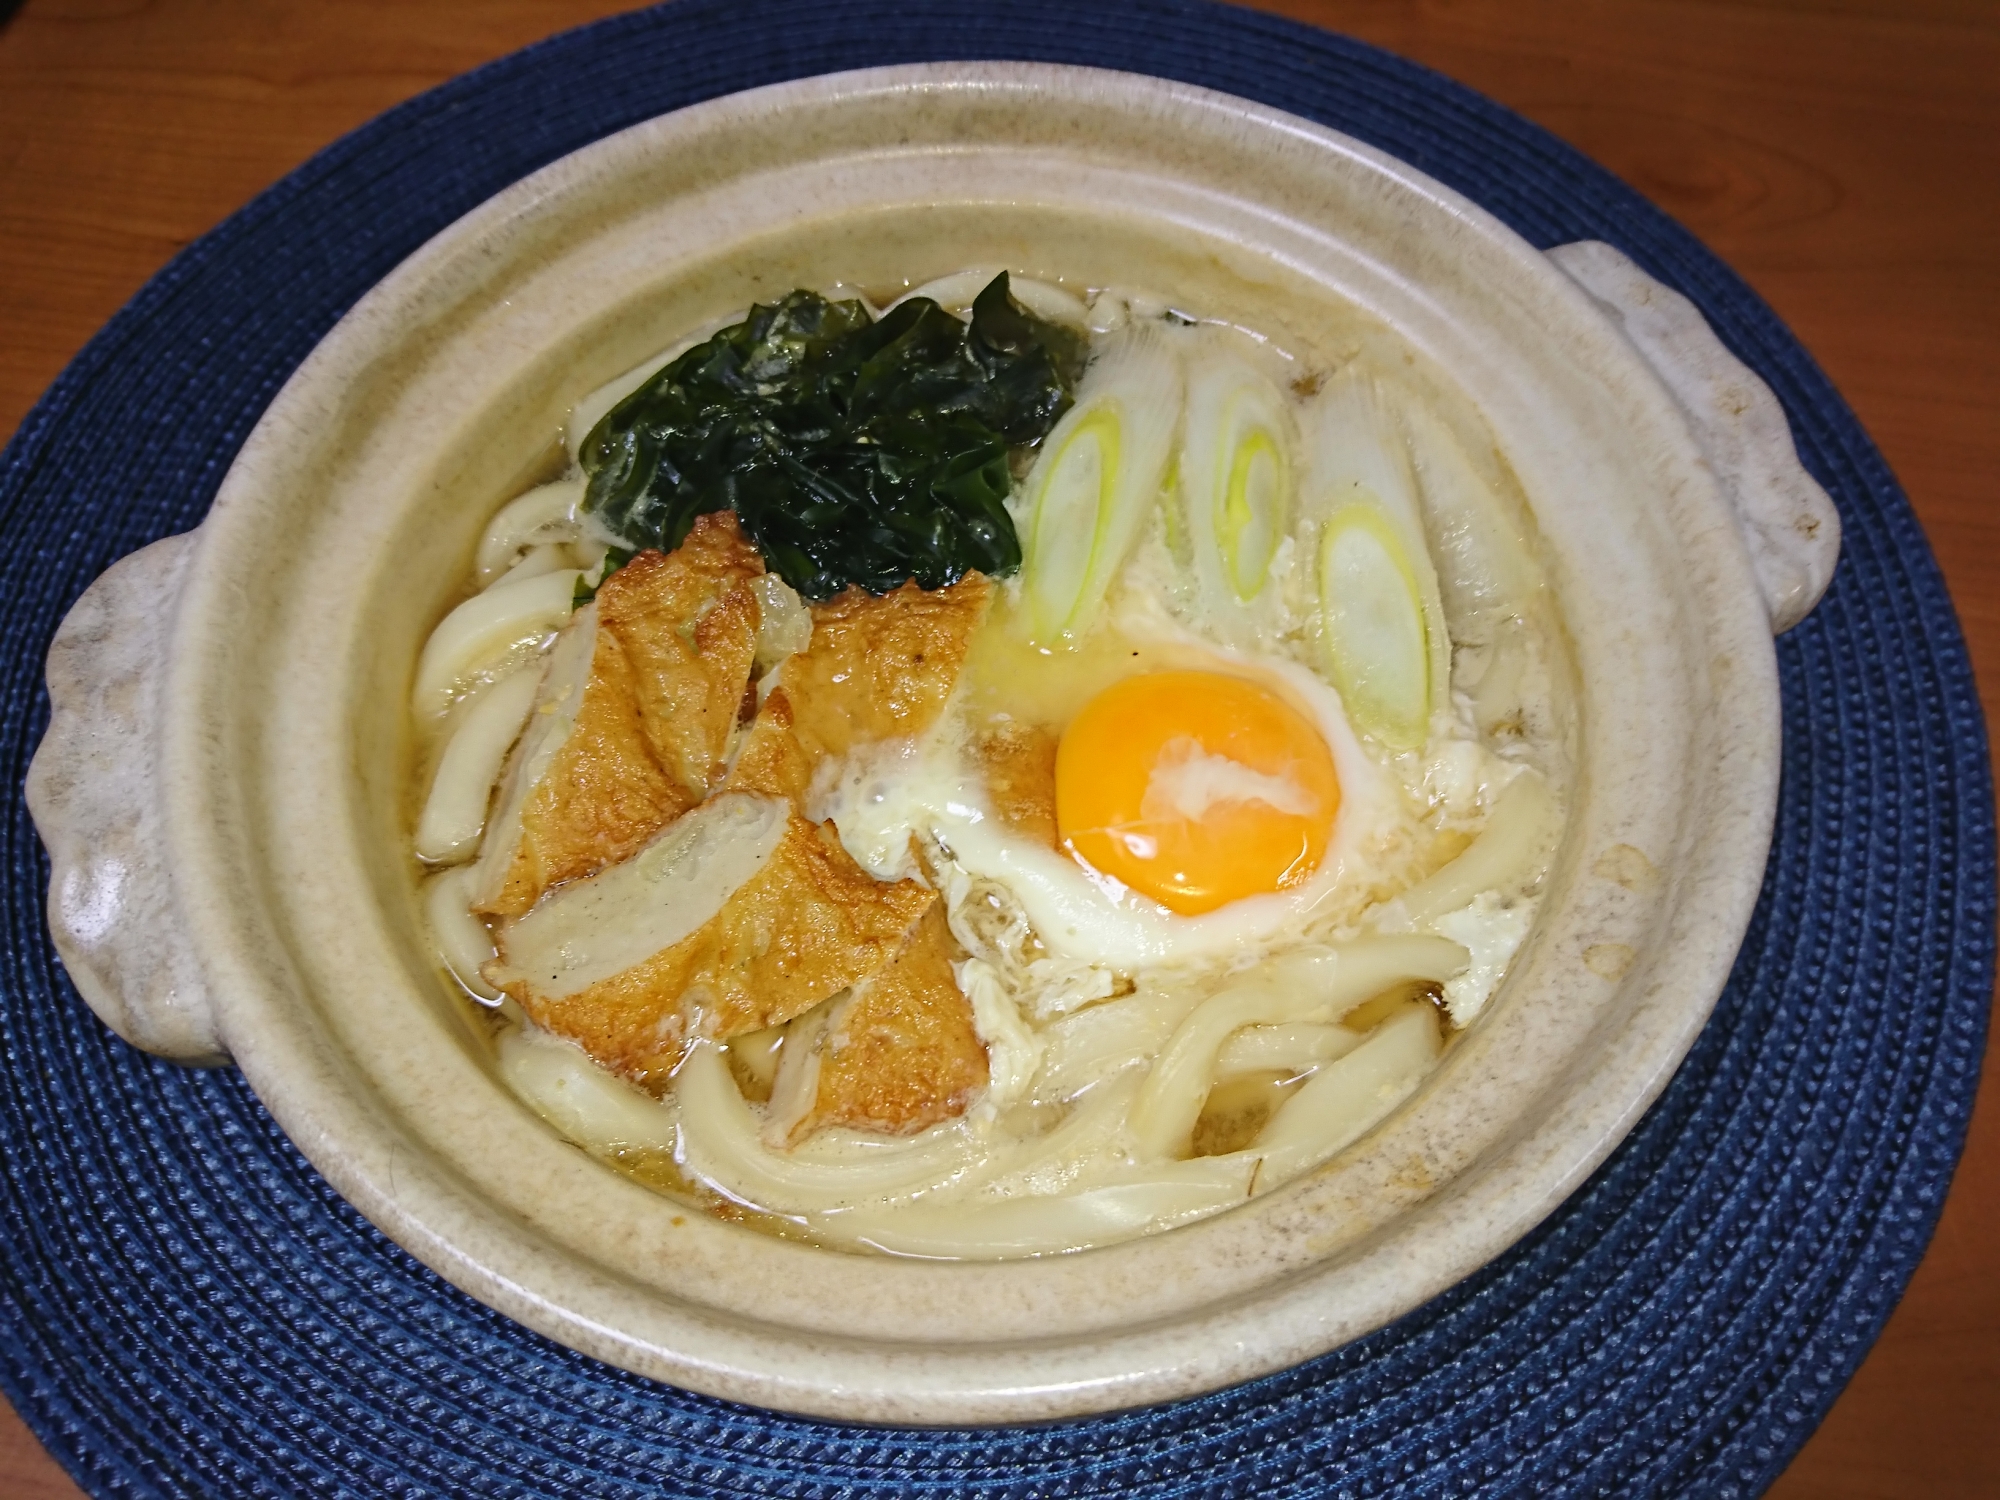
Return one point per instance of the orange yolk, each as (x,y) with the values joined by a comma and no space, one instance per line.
(1195,788)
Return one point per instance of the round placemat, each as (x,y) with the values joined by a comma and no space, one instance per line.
(190,1310)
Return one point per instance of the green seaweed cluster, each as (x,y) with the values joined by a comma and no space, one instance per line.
(853,449)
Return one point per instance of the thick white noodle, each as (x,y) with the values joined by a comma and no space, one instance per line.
(462,939)
(1291,1048)
(1346,1098)
(1299,987)
(1510,853)
(721,1144)
(1091,1198)
(1087,1148)
(543,557)
(546,513)
(995,1229)
(1109,1037)
(564,1086)
(1089,1139)
(455,812)
(485,627)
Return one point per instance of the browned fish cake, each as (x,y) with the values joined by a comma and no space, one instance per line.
(772,758)
(1019,763)
(688,622)
(882,667)
(879,667)
(809,923)
(674,635)
(600,798)
(901,1053)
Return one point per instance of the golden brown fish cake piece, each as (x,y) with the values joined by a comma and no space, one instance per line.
(674,636)
(901,1052)
(877,668)
(599,798)
(688,622)
(772,759)
(881,667)
(809,923)
(1019,764)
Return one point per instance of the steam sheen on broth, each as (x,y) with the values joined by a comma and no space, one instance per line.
(1041,907)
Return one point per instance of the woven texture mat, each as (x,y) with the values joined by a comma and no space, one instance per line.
(186,1308)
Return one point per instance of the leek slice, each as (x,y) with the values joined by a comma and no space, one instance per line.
(1377,647)
(1382,621)
(1236,478)
(1097,480)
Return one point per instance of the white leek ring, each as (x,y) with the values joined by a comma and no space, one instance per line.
(1377,640)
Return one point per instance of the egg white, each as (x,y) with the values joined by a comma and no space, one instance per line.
(880,800)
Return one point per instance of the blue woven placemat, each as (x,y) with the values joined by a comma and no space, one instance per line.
(186,1308)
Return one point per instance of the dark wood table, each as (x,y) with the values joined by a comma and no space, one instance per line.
(1844,155)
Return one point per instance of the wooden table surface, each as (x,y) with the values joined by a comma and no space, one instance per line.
(1843,155)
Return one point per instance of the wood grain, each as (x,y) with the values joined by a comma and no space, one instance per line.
(1843,155)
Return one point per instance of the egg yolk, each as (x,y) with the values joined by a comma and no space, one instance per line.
(1195,788)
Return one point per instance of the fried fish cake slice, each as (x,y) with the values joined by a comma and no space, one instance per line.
(582,788)
(878,668)
(688,622)
(896,1055)
(881,667)
(772,759)
(633,718)
(738,917)
(1018,762)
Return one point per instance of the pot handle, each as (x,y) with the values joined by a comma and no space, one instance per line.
(94,790)
(1787,520)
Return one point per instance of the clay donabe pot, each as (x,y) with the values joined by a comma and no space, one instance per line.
(223,786)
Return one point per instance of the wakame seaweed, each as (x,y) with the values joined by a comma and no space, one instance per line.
(854,450)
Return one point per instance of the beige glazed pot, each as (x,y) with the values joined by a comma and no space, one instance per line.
(222,787)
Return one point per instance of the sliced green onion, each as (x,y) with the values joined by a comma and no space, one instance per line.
(1236,478)
(1377,646)
(1383,626)
(1097,479)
